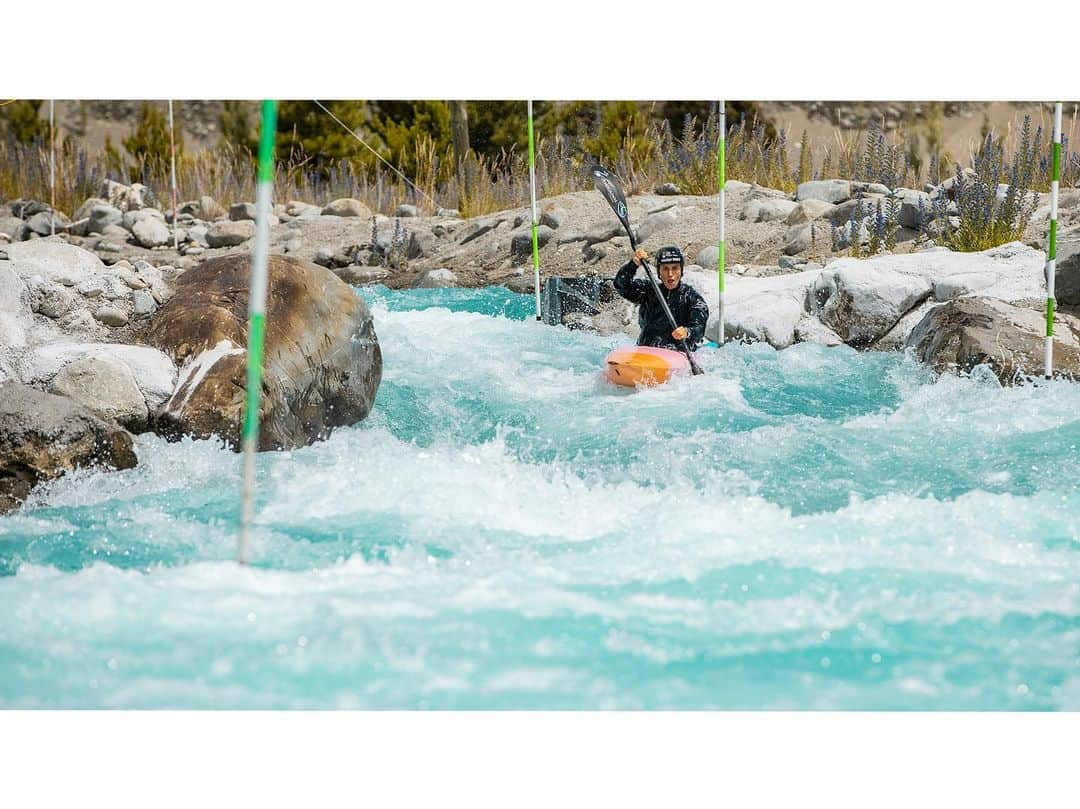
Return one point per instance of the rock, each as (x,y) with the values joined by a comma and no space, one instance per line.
(101,216)
(448,212)
(55,301)
(109,247)
(132,218)
(709,256)
(322,358)
(521,243)
(768,210)
(1067,268)
(570,238)
(361,275)
(242,212)
(197,235)
(43,436)
(117,234)
(668,190)
(910,214)
(436,279)
(83,211)
(811,330)
(153,371)
(144,304)
(125,197)
(964,333)
(761,309)
(347,207)
(832,191)
(656,223)
(295,207)
(152,232)
(789,263)
(421,243)
(208,209)
(478,229)
(15,318)
(26,208)
(807,211)
(861,301)
(106,387)
(54,261)
(896,337)
(111,316)
(797,240)
(47,222)
(229,234)
(603,233)
(404,211)
(552,218)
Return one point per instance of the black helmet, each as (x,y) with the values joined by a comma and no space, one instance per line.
(670,255)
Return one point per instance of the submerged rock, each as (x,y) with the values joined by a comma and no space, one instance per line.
(42,436)
(322,362)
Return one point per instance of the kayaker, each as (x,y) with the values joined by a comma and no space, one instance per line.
(689,309)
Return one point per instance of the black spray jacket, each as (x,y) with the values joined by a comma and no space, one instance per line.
(687,306)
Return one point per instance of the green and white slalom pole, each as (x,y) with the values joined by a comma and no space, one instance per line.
(720,256)
(1051,247)
(172,152)
(535,223)
(257,319)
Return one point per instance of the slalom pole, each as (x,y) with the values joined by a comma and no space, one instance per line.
(1051,251)
(172,150)
(52,170)
(720,257)
(257,319)
(532,193)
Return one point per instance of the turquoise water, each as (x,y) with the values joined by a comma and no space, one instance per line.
(812,528)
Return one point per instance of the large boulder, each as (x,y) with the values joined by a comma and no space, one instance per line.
(761,309)
(42,436)
(966,332)
(861,302)
(322,363)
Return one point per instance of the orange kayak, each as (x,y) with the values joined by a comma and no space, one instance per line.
(631,366)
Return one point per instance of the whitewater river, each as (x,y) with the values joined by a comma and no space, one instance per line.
(810,528)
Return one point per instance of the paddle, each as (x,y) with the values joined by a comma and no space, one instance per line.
(610,190)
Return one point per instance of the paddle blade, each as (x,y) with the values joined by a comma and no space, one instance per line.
(608,186)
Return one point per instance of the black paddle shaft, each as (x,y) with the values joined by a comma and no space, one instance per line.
(609,188)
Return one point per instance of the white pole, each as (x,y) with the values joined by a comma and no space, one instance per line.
(721,258)
(52,169)
(532,193)
(1051,247)
(172,149)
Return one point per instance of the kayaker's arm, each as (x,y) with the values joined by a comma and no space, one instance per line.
(633,289)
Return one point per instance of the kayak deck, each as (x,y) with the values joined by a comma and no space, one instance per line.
(633,366)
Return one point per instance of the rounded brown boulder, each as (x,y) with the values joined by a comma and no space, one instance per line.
(321,364)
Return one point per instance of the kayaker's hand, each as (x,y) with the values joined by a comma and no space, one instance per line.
(680,333)
(640,255)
